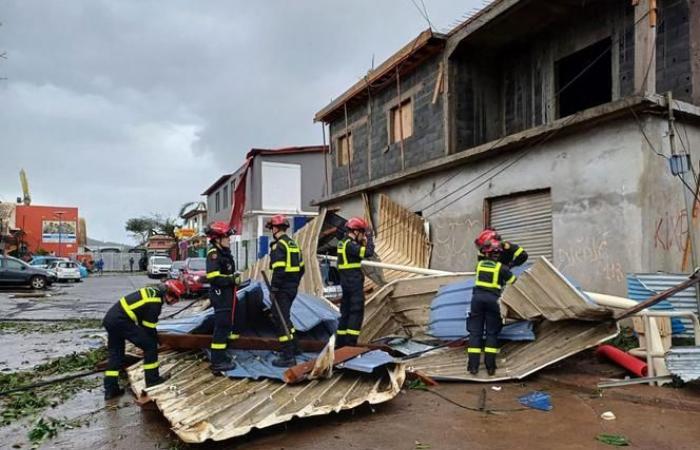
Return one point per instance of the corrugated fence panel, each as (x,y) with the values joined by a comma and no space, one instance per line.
(526,220)
(659,282)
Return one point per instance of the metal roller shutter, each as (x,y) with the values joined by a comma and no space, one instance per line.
(525,219)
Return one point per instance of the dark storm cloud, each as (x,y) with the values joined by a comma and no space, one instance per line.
(130,107)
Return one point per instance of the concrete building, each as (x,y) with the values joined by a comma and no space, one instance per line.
(269,182)
(547,120)
(51,229)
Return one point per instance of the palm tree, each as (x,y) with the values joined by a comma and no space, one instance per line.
(187,207)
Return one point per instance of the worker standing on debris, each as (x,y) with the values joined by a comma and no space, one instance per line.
(287,267)
(485,315)
(134,318)
(222,278)
(512,255)
(352,249)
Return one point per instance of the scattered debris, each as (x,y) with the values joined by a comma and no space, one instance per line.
(28,327)
(536,400)
(496,388)
(684,362)
(608,415)
(616,440)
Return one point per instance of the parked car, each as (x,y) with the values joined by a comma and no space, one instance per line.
(43,262)
(194,275)
(158,266)
(64,271)
(175,269)
(15,272)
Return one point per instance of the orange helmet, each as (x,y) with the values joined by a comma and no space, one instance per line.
(176,288)
(278,220)
(485,236)
(218,230)
(357,223)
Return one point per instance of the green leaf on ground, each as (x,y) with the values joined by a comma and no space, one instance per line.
(616,440)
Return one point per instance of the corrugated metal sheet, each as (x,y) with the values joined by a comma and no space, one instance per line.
(367,362)
(257,364)
(448,315)
(684,362)
(201,406)
(401,239)
(525,219)
(542,292)
(555,341)
(641,286)
(307,238)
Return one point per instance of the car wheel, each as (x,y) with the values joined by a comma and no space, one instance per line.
(38,282)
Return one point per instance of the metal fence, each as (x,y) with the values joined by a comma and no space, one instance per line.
(114,262)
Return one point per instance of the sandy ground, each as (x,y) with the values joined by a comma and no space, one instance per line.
(652,418)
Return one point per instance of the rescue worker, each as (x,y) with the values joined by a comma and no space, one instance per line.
(512,255)
(222,278)
(287,265)
(352,249)
(134,318)
(485,315)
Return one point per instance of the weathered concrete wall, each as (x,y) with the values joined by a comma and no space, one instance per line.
(673,63)
(373,156)
(594,177)
(665,226)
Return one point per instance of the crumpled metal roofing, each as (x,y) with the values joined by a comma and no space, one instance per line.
(684,362)
(449,310)
(641,286)
(201,406)
(368,362)
(542,292)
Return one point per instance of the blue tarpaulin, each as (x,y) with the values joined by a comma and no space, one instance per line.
(449,309)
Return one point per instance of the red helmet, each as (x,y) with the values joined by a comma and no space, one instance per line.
(486,235)
(176,288)
(218,230)
(491,247)
(278,220)
(357,223)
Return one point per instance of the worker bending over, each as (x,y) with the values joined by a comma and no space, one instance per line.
(287,267)
(221,275)
(352,249)
(134,318)
(485,315)
(512,255)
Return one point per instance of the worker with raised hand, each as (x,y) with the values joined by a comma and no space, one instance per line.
(287,265)
(352,249)
(222,278)
(485,315)
(134,318)
(512,255)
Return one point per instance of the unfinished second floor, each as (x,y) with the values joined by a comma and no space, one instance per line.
(514,67)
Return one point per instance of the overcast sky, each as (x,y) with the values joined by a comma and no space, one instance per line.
(125,108)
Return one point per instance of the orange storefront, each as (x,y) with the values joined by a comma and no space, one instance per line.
(51,228)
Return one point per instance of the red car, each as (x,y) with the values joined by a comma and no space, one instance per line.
(194,275)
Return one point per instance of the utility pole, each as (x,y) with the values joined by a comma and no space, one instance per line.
(60,229)
(680,166)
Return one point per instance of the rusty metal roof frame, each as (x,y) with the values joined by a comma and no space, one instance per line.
(425,45)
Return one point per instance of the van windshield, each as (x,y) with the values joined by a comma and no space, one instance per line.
(162,260)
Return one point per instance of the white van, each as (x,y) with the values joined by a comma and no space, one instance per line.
(158,266)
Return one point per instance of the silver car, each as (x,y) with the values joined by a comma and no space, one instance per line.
(175,269)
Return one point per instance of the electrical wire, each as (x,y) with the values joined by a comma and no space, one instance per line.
(472,408)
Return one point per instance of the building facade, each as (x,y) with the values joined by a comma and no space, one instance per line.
(51,229)
(546,120)
(270,181)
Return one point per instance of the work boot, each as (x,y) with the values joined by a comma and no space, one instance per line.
(490,363)
(473,361)
(154,379)
(297,348)
(114,393)
(112,389)
(286,356)
(222,362)
(339,341)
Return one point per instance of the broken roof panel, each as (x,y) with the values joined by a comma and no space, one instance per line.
(542,292)
(201,406)
(684,362)
(367,362)
(257,364)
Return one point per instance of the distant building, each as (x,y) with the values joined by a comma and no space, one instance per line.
(160,244)
(53,229)
(192,242)
(270,181)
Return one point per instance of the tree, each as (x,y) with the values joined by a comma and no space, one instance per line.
(142,227)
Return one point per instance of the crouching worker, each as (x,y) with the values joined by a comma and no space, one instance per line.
(485,315)
(134,318)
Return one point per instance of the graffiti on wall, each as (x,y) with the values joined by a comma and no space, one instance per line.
(671,231)
(592,251)
(453,239)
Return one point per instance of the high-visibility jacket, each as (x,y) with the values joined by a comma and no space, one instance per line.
(221,270)
(350,256)
(491,277)
(286,262)
(142,307)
